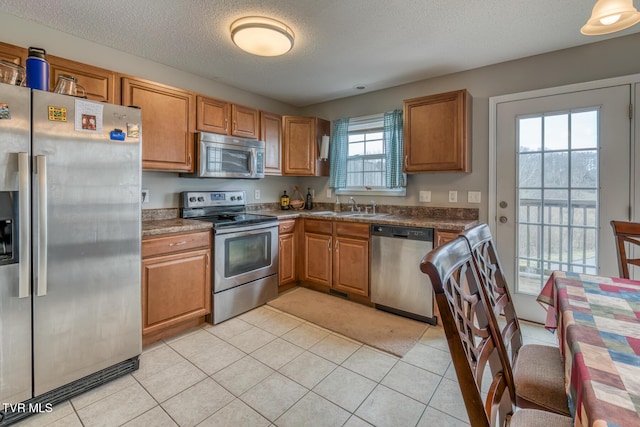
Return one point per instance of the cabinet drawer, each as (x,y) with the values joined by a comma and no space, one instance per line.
(318,226)
(288,226)
(360,231)
(175,242)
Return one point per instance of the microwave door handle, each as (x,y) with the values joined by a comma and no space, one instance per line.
(254,162)
(24,238)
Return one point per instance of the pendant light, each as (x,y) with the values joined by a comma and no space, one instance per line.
(609,16)
(262,36)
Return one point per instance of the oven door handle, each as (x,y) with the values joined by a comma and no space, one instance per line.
(248,227)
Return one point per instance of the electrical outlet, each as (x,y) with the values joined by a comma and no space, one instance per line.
(453,196)
(425,196)
(145,196)
(474,196)
(256,194)
(328,193)
(313,193)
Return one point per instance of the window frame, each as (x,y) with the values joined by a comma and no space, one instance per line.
(362,125)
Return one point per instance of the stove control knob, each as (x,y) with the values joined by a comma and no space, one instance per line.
(192,199)
(201,199)
(239,197)
(233,197)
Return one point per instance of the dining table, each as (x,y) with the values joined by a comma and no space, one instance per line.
(597,321)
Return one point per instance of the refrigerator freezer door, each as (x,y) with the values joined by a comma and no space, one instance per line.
(15,303)
(88,317)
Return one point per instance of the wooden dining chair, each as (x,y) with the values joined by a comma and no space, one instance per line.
(537,370)
(628,232)
(476,351)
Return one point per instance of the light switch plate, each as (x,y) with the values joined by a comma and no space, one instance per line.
(425,196)
(256,194)
(474,196)
(453,196)
(328,193)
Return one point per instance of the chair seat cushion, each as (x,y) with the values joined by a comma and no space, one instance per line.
(539,379)
(535,418)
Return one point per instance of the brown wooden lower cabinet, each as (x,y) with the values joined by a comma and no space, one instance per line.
(176,282)
(336,255)
(443,237)
(287,255)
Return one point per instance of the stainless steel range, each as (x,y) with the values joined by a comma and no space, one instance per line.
(245,251)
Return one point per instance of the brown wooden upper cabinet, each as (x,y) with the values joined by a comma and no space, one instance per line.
(437,135)
(218,116)
(99,83)
(168,121)
(271,134)
(11,53)
(301,146)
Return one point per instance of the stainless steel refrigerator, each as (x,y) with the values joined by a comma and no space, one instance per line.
(70,310)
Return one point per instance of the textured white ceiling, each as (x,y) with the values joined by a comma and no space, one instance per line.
(339,43)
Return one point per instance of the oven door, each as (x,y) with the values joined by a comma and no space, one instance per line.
(244,254)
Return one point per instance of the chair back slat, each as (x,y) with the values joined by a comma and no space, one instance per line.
(492,277)
(628,232)
(470,329)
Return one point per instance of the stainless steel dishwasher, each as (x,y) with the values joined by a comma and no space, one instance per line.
(397,284)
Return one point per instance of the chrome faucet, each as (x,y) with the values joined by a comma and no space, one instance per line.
(354,204)
(373,207)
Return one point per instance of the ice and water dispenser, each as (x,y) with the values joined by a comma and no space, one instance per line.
(8,227)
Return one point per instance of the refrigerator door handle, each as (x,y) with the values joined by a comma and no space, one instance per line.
(41,165)
(24,238)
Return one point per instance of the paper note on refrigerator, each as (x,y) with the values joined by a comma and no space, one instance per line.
(88,116)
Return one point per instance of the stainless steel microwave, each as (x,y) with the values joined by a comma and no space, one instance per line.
(221,156)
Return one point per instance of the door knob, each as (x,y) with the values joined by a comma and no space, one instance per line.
(503,219)
(503,204)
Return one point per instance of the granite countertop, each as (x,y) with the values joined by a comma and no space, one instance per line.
(162,221)
(382,218)
(154,227)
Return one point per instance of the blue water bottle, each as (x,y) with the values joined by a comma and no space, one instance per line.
(37,69)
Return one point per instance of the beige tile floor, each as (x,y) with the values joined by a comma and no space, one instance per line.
(267,368)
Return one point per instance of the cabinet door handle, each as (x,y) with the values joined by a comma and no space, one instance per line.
(337,245)
(226,124)
(287,227)
(235,126)
(172,244)
(329,244)
(189,160)
(406,161)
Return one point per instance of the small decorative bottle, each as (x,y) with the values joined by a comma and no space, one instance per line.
(284,201)
(309,203)
(337,207)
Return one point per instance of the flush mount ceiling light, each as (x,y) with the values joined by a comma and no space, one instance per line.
(262,36)
(609,16)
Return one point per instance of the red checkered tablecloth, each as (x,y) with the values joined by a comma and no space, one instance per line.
(598,324)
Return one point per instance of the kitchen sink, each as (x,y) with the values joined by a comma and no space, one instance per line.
(363,214)
(348,214)
(330,213)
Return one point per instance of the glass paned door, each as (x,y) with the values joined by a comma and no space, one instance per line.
(562,174)
(557,195)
